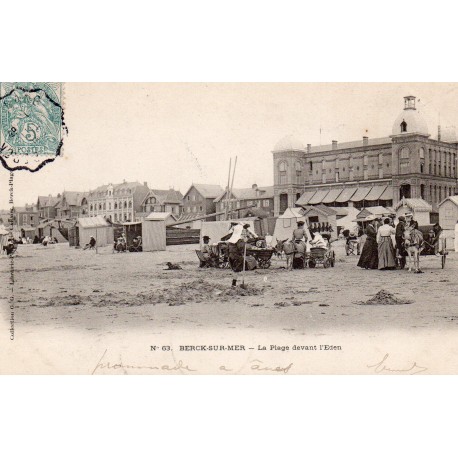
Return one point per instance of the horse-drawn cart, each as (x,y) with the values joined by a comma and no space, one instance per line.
(433,246)
(324,256)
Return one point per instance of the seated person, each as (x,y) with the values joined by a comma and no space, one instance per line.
(91,244)
(207,251)
(317,240)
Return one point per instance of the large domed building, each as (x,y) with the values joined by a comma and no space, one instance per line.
(408,164)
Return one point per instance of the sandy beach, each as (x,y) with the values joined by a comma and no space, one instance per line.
(94,300)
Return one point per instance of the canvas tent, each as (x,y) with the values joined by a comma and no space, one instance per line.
(448,218)
(95,226)
(286,224)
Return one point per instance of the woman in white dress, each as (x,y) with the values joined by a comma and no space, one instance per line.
(386,259)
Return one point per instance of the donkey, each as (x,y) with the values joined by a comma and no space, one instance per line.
(289,248)
(413,243)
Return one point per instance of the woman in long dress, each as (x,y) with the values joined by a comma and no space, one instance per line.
(369,254)
(386,258)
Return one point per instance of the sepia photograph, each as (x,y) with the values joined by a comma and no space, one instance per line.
(229,228)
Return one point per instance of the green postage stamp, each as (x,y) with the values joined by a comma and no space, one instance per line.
(31,124)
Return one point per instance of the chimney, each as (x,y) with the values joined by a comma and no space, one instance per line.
(365,141)
(439,133)
(255,186)
(145,184)
(334,144)
(309,148)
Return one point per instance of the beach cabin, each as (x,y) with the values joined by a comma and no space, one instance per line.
(420,209)
(132,231)
(448,218)
(154,232)
(95,226)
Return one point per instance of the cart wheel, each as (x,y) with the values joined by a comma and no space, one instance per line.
(444,257)
(312,263)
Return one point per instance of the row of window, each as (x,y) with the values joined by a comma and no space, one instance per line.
(248,203)
(117,192)
(116,217)
(103,206)
(437,193)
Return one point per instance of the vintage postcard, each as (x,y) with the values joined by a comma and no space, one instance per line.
(235,228)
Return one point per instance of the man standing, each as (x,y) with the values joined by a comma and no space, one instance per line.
(399,237)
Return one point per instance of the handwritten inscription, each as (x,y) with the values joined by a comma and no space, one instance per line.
(383,366)
(178,367)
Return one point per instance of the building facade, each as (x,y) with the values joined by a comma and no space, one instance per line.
(199,200)
(261,198)
(117,202)
(163,200)
(26,216)
(46,206)
(72,205)
(409,163)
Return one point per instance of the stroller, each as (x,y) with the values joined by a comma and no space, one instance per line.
(351,243)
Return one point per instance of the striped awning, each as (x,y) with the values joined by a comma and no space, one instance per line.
(332,196)
(360,194)
(305,198)
(345,195)
(318,197)
(387,194)
(375,193)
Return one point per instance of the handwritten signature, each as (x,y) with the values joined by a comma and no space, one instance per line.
(262,368)
(382,367)
(179,366)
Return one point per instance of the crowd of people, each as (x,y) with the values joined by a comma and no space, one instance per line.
(379,251)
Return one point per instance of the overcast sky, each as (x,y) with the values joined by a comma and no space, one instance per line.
(176,134)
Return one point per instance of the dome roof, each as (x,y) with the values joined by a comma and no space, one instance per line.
(448,134)
(414,120)
(289,143)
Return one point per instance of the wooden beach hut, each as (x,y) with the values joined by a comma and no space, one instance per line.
(95,226)
(154,232)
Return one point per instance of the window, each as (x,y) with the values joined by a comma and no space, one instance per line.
(116,205)
(125,204)
(249,203)
(422,153)
(109,205)
(282,167)
(201,208)
(100,206)
(311,166)
(189,197)
(403,126)
(422,191)
(91,208)
(405,153)
(266,202)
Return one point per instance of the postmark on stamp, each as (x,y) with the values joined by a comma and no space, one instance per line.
(32,125)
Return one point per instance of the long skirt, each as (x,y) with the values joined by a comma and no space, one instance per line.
(369,255)
(386,259)
(236,259)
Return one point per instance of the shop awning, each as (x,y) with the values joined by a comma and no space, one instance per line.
(387,194)
(305,198)
(345,195)
(375,193)
(318,197)
(360,194)
(332,196)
